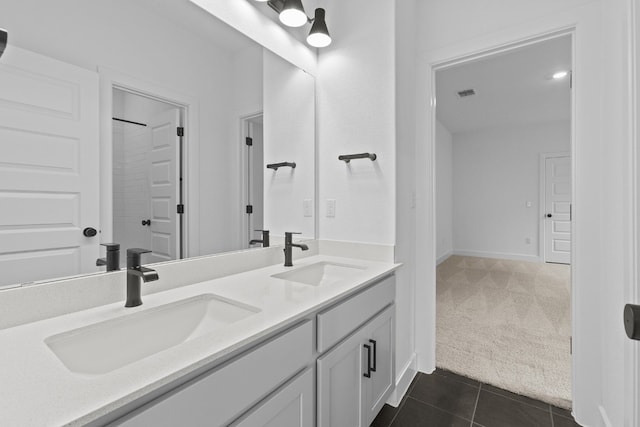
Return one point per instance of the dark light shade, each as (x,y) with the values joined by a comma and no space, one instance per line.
(3,40)
(293,14)
(319,34)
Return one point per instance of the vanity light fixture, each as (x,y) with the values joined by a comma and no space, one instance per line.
(3,40)
(319,34)
(292,14)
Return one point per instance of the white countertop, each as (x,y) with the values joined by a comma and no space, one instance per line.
(36,389)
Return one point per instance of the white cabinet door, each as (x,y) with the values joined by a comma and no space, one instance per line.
(291,406)
(340,385)
(380,337)
(356,377)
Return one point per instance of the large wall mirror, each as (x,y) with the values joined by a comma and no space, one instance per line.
(149,124)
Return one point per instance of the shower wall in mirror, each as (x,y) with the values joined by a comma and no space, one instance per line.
(55,168)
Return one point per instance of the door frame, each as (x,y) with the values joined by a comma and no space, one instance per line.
(244,173)
(111,79)
(542,212)
(466,57)
(632,291)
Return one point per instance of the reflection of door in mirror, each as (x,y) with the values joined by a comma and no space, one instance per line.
(48,168)
(146,176)
(255,176)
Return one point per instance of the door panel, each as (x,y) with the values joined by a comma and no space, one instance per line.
(381,383)
(49,146)
(557,233)
(340,385)
(164,157)
(291,406)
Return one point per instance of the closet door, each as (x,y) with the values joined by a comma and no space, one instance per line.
(49,168)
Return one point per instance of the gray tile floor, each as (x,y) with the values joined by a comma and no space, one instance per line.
(445,399)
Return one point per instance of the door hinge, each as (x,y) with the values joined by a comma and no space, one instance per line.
(249,141)
(249,209)
(180,131)
(570,345)
(180,208)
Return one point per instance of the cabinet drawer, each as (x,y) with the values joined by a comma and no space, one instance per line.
(293,405)
(340,320)
(218,397)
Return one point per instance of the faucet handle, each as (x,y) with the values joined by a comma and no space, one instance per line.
(111,246)
(137,251)
(133,257)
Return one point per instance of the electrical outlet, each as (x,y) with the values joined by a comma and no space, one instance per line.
(528,204)
(331,208)
(307,208)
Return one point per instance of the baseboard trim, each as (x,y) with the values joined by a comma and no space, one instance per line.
(605,418)
(403,381)
(443,258)
(499,255)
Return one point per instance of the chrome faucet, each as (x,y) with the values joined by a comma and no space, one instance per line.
(112,260)
(136,274)
(288,248)
(264,241)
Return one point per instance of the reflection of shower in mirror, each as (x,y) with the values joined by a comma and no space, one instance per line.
(3,40)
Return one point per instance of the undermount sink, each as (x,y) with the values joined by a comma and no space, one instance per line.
(320,273)
(103,347)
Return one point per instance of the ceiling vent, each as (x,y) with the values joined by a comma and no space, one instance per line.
(466,92)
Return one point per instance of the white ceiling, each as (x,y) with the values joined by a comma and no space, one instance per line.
(194,19)
(512,88)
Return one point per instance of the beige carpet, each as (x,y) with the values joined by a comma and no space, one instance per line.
(506,323)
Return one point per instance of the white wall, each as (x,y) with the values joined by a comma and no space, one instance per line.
(444,192)
(495,173)
(356,114)
(289,117)
(405,136)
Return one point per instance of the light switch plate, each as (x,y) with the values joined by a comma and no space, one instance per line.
(331,208)
(307,208)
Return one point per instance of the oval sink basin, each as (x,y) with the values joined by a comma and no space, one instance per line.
(103,347)
(320,273)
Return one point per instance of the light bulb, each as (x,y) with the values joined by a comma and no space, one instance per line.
(292,14)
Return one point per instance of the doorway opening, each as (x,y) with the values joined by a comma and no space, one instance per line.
(502,165)
(147,174)
(252,164)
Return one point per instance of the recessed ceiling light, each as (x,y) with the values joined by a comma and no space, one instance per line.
(560,75)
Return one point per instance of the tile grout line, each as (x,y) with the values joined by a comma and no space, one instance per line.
(475,407)
(404,398)
(519,401)
(422,402)
(551,415)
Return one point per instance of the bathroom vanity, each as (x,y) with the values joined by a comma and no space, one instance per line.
(301,346)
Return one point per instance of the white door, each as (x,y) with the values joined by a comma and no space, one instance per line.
(557,219)
(49,166)
(255,168)
(165,186)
